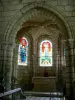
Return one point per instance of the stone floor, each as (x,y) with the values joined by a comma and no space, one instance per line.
(41,98)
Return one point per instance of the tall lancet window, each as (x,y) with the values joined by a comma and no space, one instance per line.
(23,52)
(46,53)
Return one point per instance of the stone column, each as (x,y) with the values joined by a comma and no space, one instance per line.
(1,64)
(8,55)
(68,70)
(71,41)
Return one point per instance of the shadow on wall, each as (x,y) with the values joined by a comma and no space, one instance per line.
(45,72)
(26,85)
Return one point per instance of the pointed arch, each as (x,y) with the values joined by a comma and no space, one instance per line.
(22,16)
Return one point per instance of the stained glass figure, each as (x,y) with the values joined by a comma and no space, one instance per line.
(46,53)
(23,51)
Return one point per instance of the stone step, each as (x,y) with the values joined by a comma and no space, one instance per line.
(41,98)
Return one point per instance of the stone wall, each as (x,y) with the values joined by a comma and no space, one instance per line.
(9,8)
(12,10)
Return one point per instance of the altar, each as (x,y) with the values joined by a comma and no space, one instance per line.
(45,84)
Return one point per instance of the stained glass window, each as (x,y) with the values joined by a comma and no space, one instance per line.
(46,53)
(23,51)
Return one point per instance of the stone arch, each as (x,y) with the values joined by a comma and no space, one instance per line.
(22,16)
(15,24)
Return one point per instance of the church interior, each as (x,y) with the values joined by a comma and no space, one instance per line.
(37,50)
